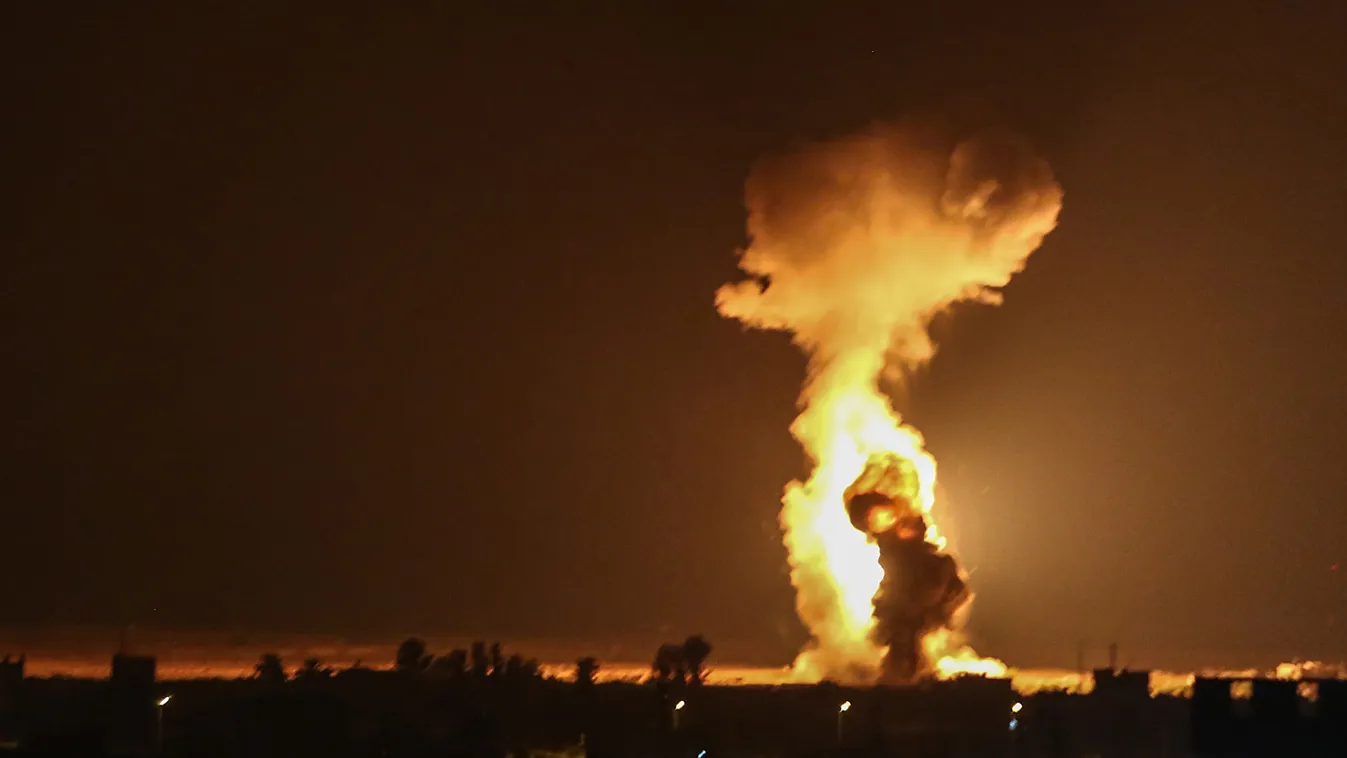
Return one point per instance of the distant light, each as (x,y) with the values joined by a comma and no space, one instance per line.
(679,705)
(844,707)
(1014,723)
(702,754)
(1016,708)
(163,701)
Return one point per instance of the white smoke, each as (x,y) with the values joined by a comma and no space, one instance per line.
(866,238)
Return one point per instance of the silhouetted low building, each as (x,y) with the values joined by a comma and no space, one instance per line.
(1119,714)
(1268,717)
(11,702)
(1118,719)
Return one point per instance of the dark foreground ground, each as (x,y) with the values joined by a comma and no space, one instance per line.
(401,713)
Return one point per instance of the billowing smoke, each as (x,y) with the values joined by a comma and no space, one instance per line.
(922,589)
(855,245)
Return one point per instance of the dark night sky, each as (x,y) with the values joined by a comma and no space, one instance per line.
(365,323)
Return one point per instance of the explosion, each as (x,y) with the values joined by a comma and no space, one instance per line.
(855,245)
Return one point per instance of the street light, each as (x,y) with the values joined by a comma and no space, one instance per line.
(841,709)
(1016,708)
(678,707)
(159,719)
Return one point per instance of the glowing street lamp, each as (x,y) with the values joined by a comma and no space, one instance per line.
(1016,708)
(159,719)
(677,709)
(841,710)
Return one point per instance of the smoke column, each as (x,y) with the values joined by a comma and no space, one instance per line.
(856,244)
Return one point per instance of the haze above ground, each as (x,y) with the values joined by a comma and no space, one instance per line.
(369,324)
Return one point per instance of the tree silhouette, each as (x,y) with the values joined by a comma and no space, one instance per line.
(517,669)
(695,652)
(668,664)
(454,664)
(532,668)
(312,671)
(412,656)
(586,671)
(481,665)
(270,670)
(498,663)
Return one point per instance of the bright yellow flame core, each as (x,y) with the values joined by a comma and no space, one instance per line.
(848,421)
(881,519)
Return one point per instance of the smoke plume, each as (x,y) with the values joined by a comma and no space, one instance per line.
(855,245)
